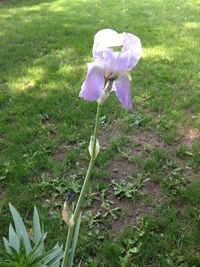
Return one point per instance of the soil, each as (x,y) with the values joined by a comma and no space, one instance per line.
(189,135)
(109,133)
(122,168)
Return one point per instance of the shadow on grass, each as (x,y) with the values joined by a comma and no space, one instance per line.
(43,58)
(44,54)
(48,27)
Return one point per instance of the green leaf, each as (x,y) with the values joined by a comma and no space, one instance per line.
(13,239)
(55,256)
(36,226)
(6,244)
(57,263)
(50,257)
(36,251)
(74,241)
(37,229)
(14,253)
(20,228)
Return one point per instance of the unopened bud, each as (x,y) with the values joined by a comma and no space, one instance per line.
(91,145)
(66,214)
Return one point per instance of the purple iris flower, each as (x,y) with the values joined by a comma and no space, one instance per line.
(112,65)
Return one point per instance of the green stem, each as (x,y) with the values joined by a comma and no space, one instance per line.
(92,159)
(83,190)
(68,245)
(82,194)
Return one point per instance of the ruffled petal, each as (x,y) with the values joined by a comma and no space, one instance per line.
(104,39)
(113,61)
(93,85)
(123,91)
(132,48)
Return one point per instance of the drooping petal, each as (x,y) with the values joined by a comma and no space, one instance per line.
(132,48)
(104,39)
(123,91)
(93,85)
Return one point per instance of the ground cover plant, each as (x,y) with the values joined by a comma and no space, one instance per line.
(44,129)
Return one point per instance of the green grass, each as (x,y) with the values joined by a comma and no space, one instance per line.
(45,127)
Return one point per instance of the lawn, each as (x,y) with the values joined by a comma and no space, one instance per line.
(143,205)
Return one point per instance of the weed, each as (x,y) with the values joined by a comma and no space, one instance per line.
(127,189)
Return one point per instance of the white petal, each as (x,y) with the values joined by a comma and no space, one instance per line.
(132,47)
(104,39)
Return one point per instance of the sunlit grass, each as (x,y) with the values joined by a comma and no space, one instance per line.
(158,52)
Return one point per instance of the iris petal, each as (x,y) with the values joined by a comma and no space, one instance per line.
(132,48)
(123,91)
(93,85)
(121,62)
(112,61)
(108,61)
(105,38)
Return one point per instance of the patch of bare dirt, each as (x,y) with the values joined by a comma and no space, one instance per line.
(147,138)
(108,133)
(181,206)
(144,141)
(187,170)
(130,215)
(121,168)
(131,211)
(60,154)
(189,135)
(154,190)
(139,138)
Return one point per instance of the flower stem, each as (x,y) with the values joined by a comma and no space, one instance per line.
(84,187)
(92,159)
(82,194)
(68,245)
